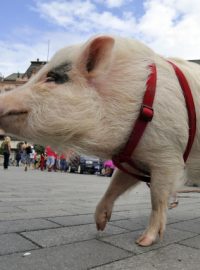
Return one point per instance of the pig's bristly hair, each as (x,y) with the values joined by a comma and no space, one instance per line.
(97,114)
(59,122)
(80,116)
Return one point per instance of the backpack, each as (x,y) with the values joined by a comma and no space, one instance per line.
(5,148)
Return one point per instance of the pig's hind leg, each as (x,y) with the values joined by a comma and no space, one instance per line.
(120,183)
(162,182)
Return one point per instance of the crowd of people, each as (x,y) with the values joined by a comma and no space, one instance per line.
(28,157)
(47,160)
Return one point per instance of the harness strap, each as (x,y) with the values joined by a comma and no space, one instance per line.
(190,108)
(146,115)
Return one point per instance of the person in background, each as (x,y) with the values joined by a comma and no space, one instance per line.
(6,145)
(18,157)
(42,162)
(32,156)
(108,168)
(56,162)
(50,158)
(63,163)
(45,161)
(37,160)
(26,155)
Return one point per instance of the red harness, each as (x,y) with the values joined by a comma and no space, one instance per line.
(146,115)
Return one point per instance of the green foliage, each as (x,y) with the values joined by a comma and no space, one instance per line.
(39,148)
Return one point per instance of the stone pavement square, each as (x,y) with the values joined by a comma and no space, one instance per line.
(61,236)
(129,224)
(77,256)
(10,243)
(51,216)
(22,225)
(173,257)
(81,219)
(126,241)
(192,242)
(190,225)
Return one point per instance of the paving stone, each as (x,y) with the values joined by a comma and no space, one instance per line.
(129,224)
(10,243)
(34,215)
(46,207)
(73,220)
(78,256)
(61,236)
(192,242)
(174,257)
(17,203)
(190,225)
(127,240)
(25,225)
(79,219)
(136,214)
(10,209)
(132,210)
(177,215)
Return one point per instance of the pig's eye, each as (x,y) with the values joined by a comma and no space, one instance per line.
(57,77)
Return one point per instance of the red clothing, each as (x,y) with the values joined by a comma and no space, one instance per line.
(49,151)
(62,156)
(42,159)
(55,155)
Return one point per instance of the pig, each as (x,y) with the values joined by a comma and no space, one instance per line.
(88,97)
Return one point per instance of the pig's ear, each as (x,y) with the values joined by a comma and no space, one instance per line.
(96,56)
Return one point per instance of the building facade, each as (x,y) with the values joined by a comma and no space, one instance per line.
(17,79)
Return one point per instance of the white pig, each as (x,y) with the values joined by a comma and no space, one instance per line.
(88,97)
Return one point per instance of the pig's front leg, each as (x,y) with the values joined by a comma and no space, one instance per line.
(162,182)
(119,184)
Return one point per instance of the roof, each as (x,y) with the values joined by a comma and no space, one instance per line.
(13,77)
(34,68)
(195,61)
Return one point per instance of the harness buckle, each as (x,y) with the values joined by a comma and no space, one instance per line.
(146,113)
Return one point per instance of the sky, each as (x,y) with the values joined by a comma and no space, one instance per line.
(170,27)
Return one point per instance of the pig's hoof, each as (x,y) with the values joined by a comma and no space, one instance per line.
(101,222)
(145,240)
(102,217)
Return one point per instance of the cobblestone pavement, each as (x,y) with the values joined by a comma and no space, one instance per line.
(46,223)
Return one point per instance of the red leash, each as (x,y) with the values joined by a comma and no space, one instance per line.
(146,115)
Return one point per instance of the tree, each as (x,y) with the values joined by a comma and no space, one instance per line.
(39,148)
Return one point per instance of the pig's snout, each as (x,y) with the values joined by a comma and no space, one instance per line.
(13,113)
(11,106)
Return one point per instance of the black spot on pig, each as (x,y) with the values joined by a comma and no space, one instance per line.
(59,74)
